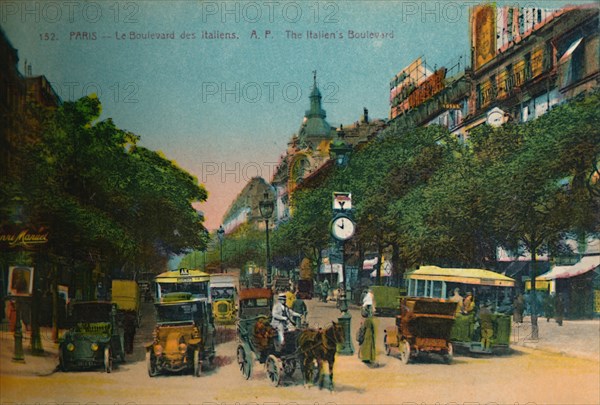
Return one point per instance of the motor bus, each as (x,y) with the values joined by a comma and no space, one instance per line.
(182,282)
(489,289)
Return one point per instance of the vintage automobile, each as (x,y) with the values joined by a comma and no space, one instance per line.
(224,291)
(183,337)
(95,338)
(423,326)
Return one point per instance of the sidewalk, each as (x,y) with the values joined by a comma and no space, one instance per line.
(575,338)
(579,338)
(34,365)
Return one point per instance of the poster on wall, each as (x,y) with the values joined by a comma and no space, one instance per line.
(20,281)
(483,34)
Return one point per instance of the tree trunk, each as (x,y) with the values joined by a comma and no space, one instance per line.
(396,268)
(378,265)
(533,297)
(36,337)
(55,303)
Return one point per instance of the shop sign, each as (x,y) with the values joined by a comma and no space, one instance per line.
(430,87)
(24,238)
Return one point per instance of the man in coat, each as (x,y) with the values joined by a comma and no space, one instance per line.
(282,317)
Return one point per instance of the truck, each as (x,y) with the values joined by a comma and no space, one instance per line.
(126,295)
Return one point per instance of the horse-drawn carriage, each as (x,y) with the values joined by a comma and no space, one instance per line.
(304,348)
(423,326)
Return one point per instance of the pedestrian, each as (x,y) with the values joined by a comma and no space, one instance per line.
(368,304)
(325,290)
(129,329)
(299,306)
(549,306)
(485,321)
(367,351)
(518,307)
(290,297)
(559,309)
(11,314)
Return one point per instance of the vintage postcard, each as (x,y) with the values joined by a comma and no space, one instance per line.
(299,202)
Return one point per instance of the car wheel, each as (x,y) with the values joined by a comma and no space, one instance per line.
(62,365)
(107,360)
(151,363)
(388,351)
(405,351)
(274,370)
(197,363)
(244,361)
(450,355)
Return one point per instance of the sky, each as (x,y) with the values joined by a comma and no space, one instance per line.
(221,86)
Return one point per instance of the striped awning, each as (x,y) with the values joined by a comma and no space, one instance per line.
(587,263)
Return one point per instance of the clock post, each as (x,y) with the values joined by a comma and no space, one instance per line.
(342,229)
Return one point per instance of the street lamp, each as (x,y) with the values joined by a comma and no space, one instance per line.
(221,234)
(343,229)
(266,207)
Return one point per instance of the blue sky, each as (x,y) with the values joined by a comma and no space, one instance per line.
(224,109)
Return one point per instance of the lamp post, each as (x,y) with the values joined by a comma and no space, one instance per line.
(221,234)
(342,230)
(266,207)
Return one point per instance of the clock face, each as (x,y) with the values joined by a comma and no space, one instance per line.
(342,228)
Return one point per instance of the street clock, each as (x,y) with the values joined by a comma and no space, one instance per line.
(342,227)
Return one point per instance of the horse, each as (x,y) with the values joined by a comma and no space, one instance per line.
(319,345)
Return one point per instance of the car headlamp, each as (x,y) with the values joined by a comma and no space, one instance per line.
(70,347)
(94,346)
(182,348)
(158,350)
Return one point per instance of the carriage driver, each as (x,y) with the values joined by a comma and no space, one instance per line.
(282,317)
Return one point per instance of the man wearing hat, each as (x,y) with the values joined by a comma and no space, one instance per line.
(282,316)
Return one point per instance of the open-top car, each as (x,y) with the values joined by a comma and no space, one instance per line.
(95,339)
(183,337)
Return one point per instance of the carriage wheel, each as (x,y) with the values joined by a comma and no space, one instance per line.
(289,366)
(450,355)
(244,361)
(62,365)
(387,348)
(404,351)
(151,363)
(274,370)
(107,360)
(197,363)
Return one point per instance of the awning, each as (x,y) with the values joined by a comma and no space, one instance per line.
(570,50)
(587,263)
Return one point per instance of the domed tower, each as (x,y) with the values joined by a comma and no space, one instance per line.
(315,132)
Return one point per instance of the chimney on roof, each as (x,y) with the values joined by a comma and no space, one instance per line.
(365,117)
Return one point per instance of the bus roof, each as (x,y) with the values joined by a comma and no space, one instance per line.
(179,276)
(460,275)
(250,293)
